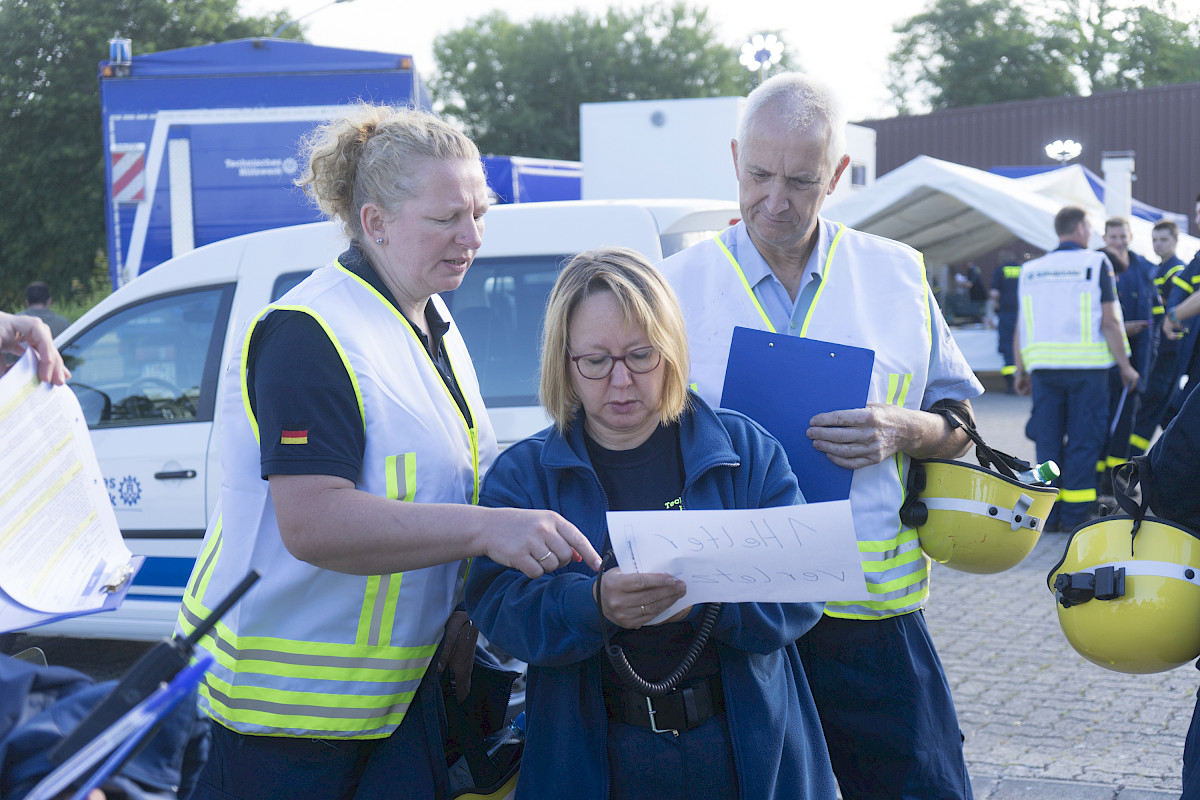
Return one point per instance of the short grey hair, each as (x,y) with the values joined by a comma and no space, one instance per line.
(798,100)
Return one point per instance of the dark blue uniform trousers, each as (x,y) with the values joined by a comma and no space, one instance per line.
(409,763)
(886,709)
(1154,403)
(1070,427)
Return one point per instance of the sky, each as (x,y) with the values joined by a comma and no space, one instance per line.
(849,51)
(844,43)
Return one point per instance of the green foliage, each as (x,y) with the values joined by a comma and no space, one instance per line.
(1159,48)
(85,292)
(52,225)
(969,52)
(516,87)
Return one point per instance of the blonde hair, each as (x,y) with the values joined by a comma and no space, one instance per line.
(645,299)
(375,154)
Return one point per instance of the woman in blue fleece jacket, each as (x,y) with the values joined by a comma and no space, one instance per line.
(629,436)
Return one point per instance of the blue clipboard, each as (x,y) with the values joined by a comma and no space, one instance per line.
(781,382)
(15,617)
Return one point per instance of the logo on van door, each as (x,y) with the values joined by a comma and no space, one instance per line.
(130,491)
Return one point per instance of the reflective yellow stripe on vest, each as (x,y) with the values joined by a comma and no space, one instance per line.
(471,428)
(379,601)
(394,673)
(745,283)
(338,688)
(896,568)
(1087,353)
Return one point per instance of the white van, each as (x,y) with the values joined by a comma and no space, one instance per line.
(147,362)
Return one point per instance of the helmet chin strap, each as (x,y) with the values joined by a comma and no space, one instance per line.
(1006,465)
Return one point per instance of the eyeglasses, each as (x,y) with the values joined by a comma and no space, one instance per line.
(595,366)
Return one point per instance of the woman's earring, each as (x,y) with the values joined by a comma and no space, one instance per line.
(379,240)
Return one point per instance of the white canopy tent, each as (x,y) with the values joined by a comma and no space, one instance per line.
(953,213)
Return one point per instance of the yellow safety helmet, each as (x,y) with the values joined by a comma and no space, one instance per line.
(1128,594)
(974,519)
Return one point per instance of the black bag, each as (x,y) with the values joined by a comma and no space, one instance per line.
(470,725)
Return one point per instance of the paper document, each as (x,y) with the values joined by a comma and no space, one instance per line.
(791,554)
(61,549)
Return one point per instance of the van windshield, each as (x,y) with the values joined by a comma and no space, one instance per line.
(499,309)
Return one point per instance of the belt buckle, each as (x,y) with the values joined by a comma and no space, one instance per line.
(653,723)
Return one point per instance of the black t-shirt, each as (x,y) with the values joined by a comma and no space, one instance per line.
(649,477)
(302,396)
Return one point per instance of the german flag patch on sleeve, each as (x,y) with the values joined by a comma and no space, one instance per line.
(294,437)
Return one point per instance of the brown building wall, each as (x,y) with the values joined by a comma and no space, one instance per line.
(1160,125)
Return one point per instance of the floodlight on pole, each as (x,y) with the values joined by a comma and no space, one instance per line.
(295,21)
(761,52)
(1063,151)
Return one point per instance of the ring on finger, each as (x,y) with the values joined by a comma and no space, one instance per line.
(643,609)
(548,554)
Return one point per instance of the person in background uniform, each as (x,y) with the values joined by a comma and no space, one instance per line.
(1184,285)
(37,304)
(886,710)
(1165,238)
(352,450)
(1138,298)
(1003,296)
(1064,356)
(627,436)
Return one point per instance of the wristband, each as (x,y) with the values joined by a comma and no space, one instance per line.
(1171,316)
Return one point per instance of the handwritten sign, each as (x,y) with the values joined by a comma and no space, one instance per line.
(792,554)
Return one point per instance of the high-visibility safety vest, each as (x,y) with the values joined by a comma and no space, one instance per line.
(1060,312)
(872,294)
(310,651)
(1166,275)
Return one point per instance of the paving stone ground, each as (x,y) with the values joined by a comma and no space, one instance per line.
(1040,721)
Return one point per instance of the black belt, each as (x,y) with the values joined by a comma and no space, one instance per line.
(682,710)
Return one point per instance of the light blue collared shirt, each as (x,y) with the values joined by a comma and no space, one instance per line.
(950,377)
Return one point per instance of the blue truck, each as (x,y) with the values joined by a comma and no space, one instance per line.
(201,143)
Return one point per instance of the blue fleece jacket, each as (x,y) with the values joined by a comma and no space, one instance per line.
(553,623)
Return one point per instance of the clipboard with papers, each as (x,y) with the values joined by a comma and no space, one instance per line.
(61,550)
(15,616)
(781,382)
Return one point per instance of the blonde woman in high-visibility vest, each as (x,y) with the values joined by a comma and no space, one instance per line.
(353,441)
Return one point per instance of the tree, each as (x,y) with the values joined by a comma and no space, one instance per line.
(52,225)
(516,87)
(1159,48)
(968,52)
(1092,28)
